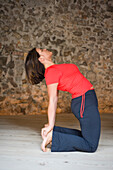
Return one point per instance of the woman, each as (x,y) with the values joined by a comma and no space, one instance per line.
(84,104)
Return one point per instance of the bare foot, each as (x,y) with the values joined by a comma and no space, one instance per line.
(46,141)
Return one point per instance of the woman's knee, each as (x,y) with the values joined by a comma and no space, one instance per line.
(93,149)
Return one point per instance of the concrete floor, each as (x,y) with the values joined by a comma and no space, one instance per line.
(20,142)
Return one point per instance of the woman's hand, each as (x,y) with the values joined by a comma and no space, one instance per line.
(46,130)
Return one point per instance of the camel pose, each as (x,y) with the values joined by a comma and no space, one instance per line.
(84,104)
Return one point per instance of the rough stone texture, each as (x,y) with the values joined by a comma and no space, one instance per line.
(76,31)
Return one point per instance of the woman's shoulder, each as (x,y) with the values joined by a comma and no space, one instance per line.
(64,65)
(60,67)
(53,69)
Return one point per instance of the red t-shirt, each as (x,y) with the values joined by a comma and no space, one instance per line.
(69,79)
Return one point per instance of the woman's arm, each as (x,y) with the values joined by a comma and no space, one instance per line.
(53,97)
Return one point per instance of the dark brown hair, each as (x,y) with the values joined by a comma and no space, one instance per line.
(34,68)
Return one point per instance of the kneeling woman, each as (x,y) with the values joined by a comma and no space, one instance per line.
(84,104)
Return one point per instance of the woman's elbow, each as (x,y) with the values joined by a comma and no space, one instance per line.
(53,99)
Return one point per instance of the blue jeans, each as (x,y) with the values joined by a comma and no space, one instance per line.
(86,140)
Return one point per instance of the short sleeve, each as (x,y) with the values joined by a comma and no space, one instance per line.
(52,76)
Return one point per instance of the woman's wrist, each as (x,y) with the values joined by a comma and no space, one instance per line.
(51,125)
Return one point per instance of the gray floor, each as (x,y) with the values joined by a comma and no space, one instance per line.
(20,145)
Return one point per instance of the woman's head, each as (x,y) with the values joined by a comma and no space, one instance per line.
(45,55)
(34,68)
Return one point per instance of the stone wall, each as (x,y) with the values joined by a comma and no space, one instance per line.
(76,31)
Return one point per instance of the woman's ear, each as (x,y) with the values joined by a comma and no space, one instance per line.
(41,59)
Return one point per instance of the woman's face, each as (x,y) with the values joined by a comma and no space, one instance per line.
(44,53)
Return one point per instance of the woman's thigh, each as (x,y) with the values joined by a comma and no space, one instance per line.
(90,122)
(91,125)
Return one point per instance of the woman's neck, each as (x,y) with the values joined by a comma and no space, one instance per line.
(48,64)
